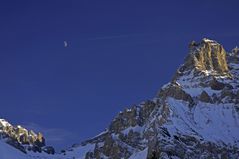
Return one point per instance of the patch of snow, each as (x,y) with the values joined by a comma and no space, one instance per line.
(140,155)
(207,72)
(197,91)
(4,123)
(9,152)
(128,110)
(213,122)
(80,152)
(134,129)
(102,133)
(209,41)
(165,86)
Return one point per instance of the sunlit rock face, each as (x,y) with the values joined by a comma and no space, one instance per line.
(23,139)
(207,56)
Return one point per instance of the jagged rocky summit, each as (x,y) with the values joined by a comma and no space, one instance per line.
(23,139)
(195,115)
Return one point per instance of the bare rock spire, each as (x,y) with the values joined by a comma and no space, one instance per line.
(208,57)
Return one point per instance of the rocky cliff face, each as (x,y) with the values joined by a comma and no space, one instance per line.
(196,115)
(23,139)
(208,56)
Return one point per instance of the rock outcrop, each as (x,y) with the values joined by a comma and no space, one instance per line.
(207,56)
(176,92)
(23,139)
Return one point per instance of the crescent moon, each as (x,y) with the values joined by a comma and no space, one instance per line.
(65,44)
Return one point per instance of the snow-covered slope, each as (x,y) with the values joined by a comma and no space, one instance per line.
(196,115)
(17,142)
(23,139)
(9,152)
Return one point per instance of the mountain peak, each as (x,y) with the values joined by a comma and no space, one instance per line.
(208,57)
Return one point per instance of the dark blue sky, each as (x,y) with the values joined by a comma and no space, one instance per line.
(120,53)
